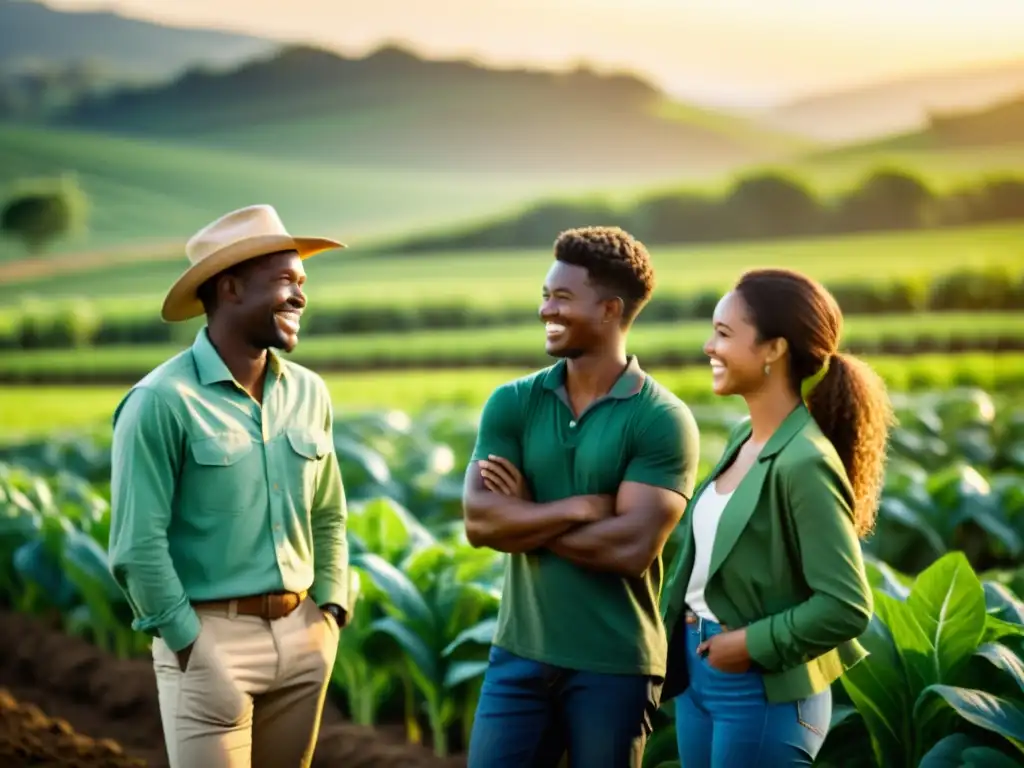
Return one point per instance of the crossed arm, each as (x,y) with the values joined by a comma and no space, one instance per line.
(625,539)
(623,534)
(628,542)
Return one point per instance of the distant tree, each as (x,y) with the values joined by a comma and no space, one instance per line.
(771,204)
(889,199)
(43,212)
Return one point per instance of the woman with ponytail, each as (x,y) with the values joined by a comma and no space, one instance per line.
(768,593)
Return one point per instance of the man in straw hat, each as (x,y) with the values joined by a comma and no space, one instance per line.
(227,530)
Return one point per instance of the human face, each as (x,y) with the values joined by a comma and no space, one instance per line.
(576,319)
(737,359)
(271,301)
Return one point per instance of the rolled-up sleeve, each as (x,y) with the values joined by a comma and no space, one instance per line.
(145,458)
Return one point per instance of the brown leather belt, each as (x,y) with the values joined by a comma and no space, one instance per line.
(270,606)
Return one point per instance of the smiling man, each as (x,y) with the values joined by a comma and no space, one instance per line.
(580,472)
(227,529)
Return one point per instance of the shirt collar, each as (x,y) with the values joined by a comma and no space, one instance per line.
(210,366)
(629,383)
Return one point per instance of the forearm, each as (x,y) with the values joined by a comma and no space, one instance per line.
(328,523)
(805,631)
(614,545)
(143,569)
(531,541)
(510,524)
(330,558)
(147,443)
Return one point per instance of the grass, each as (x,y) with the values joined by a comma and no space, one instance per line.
(515,277)
(151,190)
(42,410)
(656,341)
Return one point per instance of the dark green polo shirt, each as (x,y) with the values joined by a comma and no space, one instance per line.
(552,610)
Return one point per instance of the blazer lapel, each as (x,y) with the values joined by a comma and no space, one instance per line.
(683,562)
(744,501)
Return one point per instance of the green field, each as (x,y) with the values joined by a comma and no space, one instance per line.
(151,190)
(36,410)
(509,344)
(345,278)
(154,190)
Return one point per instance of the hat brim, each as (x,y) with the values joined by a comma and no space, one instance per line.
(182,303)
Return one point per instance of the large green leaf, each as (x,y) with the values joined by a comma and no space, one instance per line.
(882,577)
(958,750)
(948,603)
(418,653)
(481,633)
(461,672)
(914,648)
(880,689)
(33,563)
(403,598)
(1006,660)
(1002,603)
(387,528)
(981,709)
(661,748)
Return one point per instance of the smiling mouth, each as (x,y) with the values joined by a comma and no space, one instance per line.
(288,320)
(717,367)
(554,330)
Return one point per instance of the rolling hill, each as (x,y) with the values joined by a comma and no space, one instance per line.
(32,32)
(997,128)
(896,106)
(394,109)
(147,191)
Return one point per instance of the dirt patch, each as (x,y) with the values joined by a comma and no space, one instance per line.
(29,737)
(107,712)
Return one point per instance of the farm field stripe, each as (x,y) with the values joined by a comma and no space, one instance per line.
(657,344)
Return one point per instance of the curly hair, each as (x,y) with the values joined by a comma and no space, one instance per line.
(617,264)
(850,404)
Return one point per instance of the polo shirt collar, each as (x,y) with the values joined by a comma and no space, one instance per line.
(629,383)
(210,366)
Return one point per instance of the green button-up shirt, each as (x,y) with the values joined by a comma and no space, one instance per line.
(214,496)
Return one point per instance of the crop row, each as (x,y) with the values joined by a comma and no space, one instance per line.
(946,671)
(56,325)
(42,409)
(656,344)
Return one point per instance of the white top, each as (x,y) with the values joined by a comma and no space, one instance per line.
(706,515)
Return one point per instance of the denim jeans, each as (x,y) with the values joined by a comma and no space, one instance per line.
(724,720)
(530,713)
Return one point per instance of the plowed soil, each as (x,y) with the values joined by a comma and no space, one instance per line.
(102,711)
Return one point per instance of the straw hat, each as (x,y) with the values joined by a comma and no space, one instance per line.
(233,238)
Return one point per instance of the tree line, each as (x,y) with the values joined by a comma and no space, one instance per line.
(762,205)
(41,324)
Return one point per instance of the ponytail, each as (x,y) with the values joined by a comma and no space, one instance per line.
(852,409)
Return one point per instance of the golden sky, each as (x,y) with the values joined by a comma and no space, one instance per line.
(742,52)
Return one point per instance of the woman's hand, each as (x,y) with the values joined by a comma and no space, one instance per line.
(501,476)
(727,652)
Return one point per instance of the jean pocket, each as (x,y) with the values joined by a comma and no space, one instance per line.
(815,712)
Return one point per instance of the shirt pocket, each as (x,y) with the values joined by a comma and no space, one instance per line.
(222,477)
(307,449)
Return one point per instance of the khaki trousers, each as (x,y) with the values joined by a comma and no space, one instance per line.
(252,693)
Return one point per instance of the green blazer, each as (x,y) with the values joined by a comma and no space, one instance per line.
(786,564)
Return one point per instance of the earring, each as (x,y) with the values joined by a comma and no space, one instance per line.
(767,368)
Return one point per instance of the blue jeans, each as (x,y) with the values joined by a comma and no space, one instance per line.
(724,720)
(530,713)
